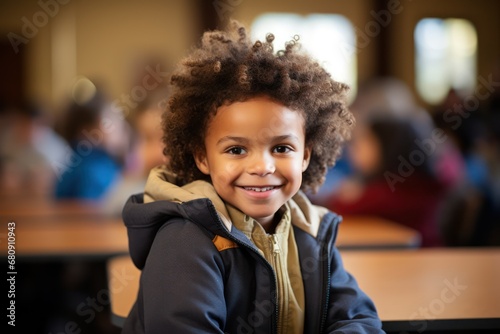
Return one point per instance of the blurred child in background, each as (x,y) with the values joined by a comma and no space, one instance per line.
(393,177)
(146,150)
(29,150)
(95,135)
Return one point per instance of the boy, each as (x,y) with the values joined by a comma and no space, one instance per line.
(226,241)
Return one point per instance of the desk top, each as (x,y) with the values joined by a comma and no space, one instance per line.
(368,232)
(77,237)
(47,209)
(124,291)
(81,235)
(428,289)
(413,290)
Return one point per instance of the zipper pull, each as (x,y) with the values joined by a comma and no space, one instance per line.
(276,247)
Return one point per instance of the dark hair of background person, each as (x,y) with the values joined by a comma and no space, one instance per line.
(78,116)
(398,138)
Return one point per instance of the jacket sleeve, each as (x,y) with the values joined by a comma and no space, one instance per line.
(182,282)
(350,309)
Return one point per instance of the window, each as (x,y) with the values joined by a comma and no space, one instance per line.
(329,38)
(446,52)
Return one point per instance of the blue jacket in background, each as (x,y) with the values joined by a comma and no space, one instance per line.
(88,177)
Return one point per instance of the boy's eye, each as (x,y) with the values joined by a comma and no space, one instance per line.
(236,150)
(282,149)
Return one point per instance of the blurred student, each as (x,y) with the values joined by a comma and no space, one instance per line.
(145,154)
(91,169)
(391,97)
(473,214)
(149,135)
(28,148)
(394,178)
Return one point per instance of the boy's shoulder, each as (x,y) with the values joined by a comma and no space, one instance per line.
(310,218)
(146,222)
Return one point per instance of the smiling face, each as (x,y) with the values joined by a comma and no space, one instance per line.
(255,154)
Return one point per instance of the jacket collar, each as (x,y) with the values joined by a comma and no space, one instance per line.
(163,185)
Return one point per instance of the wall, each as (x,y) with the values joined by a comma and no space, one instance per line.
(100,39)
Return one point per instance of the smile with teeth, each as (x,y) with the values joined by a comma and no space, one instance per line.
(259,189)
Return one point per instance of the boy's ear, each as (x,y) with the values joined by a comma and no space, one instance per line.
(307,158)
(201,162)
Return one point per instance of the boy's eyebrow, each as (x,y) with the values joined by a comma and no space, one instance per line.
(232,138)
(244,140)
(285,138)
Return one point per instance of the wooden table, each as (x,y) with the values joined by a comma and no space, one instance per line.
(81,237)
(368,232)
(431,289)
(123,291)
(45,227)
(43,209)
(414,290)
(72,231)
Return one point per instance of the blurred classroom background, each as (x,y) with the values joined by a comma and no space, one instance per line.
(84,84)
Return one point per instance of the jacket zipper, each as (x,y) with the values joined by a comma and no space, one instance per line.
(276,246)
(276,251)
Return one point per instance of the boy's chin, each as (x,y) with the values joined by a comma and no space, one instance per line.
(262,216)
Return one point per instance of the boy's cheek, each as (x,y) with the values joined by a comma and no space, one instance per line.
(230,168)
(223,173)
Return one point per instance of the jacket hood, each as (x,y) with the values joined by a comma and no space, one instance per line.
(163,199)
(162,185)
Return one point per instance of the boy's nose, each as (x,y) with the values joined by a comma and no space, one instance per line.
(261,165)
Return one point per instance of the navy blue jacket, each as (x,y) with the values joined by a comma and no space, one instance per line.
(189,286)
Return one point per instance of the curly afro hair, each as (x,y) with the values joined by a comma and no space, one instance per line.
(228,67)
